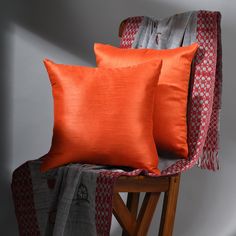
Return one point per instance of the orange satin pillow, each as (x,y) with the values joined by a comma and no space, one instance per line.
(103,115)
(170,122)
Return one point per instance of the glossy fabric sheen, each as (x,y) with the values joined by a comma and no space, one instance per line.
(170,112)
(103,116)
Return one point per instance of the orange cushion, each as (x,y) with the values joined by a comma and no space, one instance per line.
(103,115)
(170,125)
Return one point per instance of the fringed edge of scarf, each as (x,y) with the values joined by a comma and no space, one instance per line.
(209,160)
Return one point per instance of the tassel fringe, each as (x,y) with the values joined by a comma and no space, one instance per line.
(209,160)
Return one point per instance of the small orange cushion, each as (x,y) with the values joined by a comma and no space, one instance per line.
(103,115)
(170,122)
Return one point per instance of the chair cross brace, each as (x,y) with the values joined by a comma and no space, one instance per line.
(137,224)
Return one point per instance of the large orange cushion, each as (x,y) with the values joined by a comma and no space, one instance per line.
(170,122)
(103,116)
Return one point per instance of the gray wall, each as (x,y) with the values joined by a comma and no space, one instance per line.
(65,31)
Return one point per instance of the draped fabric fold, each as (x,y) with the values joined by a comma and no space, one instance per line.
(77,198)
(184,29)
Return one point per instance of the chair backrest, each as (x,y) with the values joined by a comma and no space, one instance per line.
(205,91)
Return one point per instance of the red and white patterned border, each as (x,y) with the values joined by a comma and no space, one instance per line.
(130,30)
(22,191)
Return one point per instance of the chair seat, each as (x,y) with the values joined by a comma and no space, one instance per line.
(142,184)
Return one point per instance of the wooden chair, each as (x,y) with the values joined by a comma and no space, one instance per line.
(136,223)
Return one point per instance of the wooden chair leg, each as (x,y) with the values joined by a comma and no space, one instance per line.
(146,213)
(169,207)
(123,215)
(132,205)
(130,225)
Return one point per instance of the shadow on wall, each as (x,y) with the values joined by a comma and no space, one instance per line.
(7,218)
(74,26)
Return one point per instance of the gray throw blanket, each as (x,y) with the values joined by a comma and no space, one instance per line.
(68,207)
(176,31)
(204,101)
